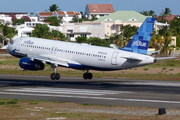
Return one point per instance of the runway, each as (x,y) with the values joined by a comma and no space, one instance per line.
(100,91)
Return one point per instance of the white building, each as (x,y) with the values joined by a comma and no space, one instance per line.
(98,10)
(6,18)
(25,30)
(67,16)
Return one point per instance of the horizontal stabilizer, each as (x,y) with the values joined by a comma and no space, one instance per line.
(162,58)
(132,58)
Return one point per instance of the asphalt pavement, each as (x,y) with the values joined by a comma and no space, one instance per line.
(99,91)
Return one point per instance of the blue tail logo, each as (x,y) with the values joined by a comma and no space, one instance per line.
(140,41)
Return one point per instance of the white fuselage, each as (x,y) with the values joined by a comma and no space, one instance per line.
(80,56)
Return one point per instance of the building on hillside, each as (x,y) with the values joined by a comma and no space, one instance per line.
(67,16)
(42,16)
(25,30)
(115,21)
(168,18)
(98,10)
(7,18)
(88,29)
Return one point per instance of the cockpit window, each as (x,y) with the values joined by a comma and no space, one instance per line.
(12,42)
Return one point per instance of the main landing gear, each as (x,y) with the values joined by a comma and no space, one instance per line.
(54,75)
(87,75)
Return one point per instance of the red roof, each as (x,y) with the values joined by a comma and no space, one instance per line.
(73,13)
(47,14)
(11,13)
(100,8)
(60,13)
(169,17)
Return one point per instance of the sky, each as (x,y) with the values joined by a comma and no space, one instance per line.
(79,5)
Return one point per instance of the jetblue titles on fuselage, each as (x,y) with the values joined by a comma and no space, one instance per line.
(29,42)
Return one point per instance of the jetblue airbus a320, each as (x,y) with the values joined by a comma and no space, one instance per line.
(35,52)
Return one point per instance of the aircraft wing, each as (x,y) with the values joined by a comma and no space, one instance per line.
(58,61)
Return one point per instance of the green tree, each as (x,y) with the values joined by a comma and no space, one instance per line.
(128,32)
(116,39)
(163,40)
(175,26)
(93,41)
(41,31)
(81,39)
(57,35)
(7,32)
(164,13)
(54,20)
(148,13)
(53,8)
(75,18)
(18,21)
(93,18)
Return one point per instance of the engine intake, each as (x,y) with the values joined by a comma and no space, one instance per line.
(28,64)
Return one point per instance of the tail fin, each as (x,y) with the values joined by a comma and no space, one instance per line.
(140,41)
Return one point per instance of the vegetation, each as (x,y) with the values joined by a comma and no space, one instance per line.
(148,13)
(43,31)
(152,72)
(93,41)
(25,110)
(20,21)
(54,20)
(6,32)
(53,8)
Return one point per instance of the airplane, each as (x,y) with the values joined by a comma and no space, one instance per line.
(35,52)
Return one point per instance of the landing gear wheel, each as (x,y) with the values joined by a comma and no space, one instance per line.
(85,76)
(53,76)
(57,76)
(90,76)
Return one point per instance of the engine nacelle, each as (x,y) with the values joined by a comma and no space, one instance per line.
(28,64)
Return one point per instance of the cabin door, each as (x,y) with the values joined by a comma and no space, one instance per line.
(114,58)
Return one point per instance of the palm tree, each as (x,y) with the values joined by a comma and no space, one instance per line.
(6,32)
(164,14)
(148,13)
(53,8)
(128,32)
(41,31)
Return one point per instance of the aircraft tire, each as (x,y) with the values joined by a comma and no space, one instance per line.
(90,76)
(85,76)
(57,76)
(53,76)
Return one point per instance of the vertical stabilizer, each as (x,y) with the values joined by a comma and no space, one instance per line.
(140,41)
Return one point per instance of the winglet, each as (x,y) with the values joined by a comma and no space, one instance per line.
(140,41)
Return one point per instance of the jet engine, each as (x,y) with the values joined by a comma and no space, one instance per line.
(27,64)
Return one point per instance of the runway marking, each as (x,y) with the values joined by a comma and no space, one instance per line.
(88,97)
(67,91)
(76,93)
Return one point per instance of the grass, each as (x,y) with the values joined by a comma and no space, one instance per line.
(71,111)
(12,67)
